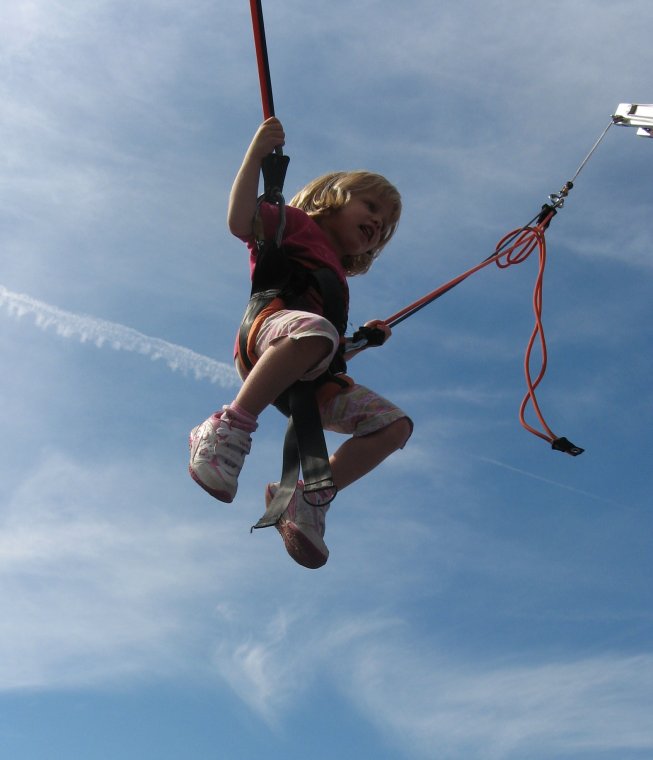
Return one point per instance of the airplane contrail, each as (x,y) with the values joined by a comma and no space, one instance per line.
(119,337)
(566,487)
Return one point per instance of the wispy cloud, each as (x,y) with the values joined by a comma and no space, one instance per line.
(257,666)
(100,592)
(557,707)
(95,591)
(423,700)
(87,329)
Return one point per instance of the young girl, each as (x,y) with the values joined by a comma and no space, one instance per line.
(339,222)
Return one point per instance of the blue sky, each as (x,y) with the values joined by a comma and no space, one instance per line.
(486,598)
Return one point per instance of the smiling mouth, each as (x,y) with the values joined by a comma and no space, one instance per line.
(368,232)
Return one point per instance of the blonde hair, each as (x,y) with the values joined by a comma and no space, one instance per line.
(326,194)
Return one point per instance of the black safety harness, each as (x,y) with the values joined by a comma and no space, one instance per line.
(278,277)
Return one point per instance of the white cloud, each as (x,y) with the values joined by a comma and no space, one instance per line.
(271,666)
(100,332)
(428,704)
(541,709)
(106,580)
(97,578)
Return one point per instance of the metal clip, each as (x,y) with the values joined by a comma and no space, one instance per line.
(558,199)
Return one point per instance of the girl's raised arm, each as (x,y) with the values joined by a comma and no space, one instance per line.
(244,191)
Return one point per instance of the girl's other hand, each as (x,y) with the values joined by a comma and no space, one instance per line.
(379,324)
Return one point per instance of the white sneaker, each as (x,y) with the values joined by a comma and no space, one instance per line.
(302,528)
(217,453)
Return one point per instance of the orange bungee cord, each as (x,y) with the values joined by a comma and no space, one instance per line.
(515,248)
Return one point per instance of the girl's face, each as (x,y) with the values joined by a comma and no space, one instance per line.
(357,227)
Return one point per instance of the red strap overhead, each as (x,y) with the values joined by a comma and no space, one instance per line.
(262,58)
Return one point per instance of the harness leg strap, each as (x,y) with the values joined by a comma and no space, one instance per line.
(319,488)
(304,444)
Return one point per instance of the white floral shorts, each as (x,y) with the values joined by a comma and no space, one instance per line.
(356,410)
(359,411)
(297,325)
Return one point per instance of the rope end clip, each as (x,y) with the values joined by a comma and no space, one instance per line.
(546,215)
(566,446)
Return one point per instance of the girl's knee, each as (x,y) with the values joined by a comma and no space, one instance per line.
(399,431)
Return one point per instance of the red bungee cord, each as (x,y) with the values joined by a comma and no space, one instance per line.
(262,58)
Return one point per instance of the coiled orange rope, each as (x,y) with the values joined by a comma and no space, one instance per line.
(514,248)
(525,242)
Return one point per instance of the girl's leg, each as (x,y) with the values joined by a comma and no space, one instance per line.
(219,445)
(302,525)
(379,428)
(280,365)
(359,455)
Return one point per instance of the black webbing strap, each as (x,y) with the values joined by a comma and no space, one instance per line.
(304,445)
(274,167)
